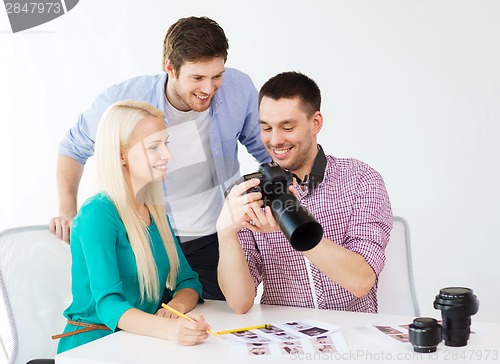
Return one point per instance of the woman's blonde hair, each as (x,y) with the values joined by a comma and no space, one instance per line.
(114,133)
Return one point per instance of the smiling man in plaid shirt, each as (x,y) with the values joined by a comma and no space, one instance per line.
(346,196)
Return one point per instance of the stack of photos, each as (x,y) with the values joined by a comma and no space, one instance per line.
(291,338)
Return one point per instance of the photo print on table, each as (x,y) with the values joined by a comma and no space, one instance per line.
(297,325)
(250,336)
(398,333)
(314,331)
(323,344)
(291,347)
(258,349)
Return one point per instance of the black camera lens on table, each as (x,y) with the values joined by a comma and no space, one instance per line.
(299,226)
(457,305)
(424,334)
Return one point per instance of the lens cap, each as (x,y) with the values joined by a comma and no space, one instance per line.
(424,334)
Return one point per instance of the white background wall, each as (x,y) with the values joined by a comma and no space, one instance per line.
(410,87)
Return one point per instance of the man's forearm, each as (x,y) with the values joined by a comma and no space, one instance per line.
(69,174)
(344,267)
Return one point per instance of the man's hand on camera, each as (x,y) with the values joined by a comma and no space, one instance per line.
(262,220)
(236,207)
(293,190)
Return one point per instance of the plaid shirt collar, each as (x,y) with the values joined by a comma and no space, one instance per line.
(317,172)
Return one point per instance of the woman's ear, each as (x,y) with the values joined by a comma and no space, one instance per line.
(122,159)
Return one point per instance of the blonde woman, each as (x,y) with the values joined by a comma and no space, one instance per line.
(123,250)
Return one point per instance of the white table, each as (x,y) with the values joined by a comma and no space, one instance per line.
(364,346)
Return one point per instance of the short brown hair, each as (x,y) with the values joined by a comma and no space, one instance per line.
(194,39)
(288,85)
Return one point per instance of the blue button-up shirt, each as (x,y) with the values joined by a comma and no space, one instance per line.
(233,111)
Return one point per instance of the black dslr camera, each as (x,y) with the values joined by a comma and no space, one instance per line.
(299,226)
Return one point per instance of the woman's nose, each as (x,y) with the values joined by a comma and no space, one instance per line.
(166,154)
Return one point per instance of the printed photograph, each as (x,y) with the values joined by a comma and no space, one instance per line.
(400,337)
(313,331)
(330,348)
(322,340)
(256,349)
(250,336)
(271,330)
(297,325)
(388,330)
(291,347)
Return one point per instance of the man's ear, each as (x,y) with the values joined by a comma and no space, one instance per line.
(169,68)
(317,122)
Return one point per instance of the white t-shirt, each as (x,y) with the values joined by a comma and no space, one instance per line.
(194,197)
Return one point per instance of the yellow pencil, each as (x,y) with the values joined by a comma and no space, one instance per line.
(175,312)
(264,326)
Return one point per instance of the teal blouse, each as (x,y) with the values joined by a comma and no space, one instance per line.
(104,272)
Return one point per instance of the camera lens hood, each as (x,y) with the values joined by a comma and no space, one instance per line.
(457,299)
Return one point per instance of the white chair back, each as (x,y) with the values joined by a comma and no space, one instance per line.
(35,288)
(396,289)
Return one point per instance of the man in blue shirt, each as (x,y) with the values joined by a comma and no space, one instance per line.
(208,109)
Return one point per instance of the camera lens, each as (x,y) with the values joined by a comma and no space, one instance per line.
(424,334)
(299,226)
(457,305)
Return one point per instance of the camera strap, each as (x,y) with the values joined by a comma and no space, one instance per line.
(317,174)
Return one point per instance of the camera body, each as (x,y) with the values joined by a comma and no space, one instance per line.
(274,182)
(299,226)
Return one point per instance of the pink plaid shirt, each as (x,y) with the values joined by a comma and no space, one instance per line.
(352,206)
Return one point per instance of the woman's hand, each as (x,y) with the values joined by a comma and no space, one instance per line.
(164,313)
(184,332)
